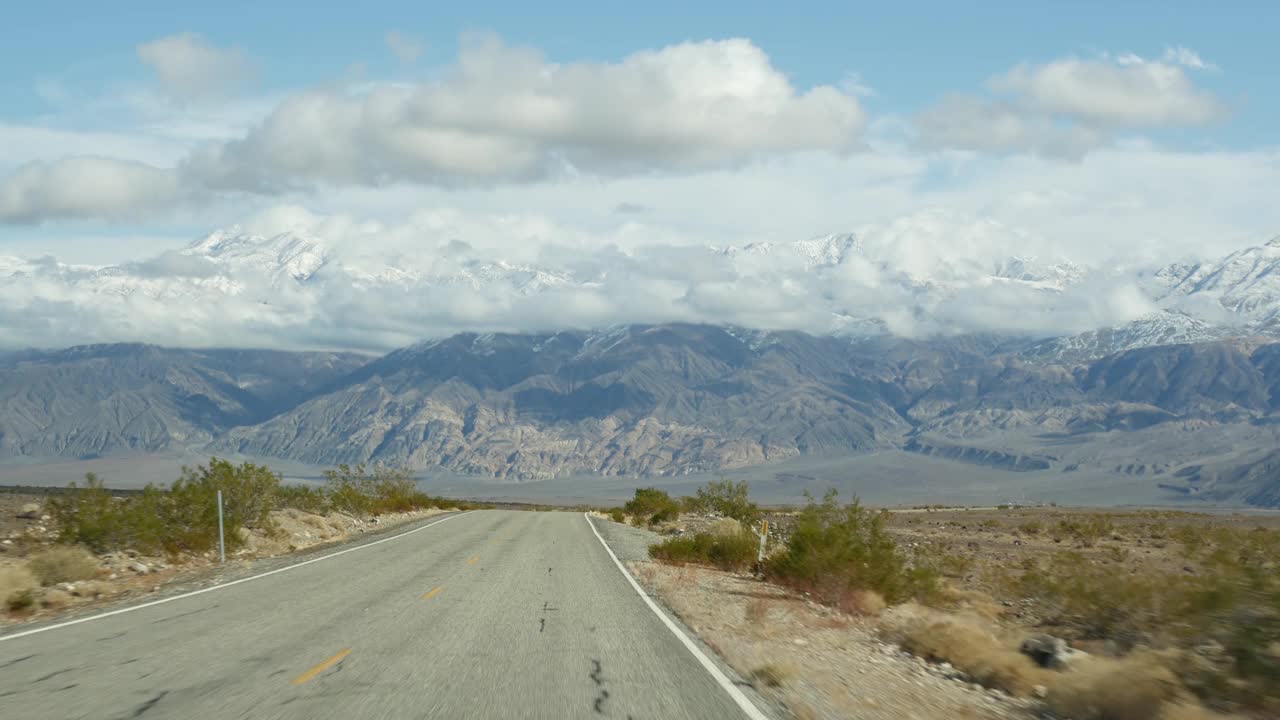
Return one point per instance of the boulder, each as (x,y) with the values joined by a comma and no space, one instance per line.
(140,568)
(30,511)
(1050,652)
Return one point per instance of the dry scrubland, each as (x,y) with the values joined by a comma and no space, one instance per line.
(88,543)
(1008,612)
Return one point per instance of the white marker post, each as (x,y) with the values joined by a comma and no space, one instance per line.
(222,544)
(764,535)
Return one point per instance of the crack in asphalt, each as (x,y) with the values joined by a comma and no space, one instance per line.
(16,661)
(185,614)
(55,673)
(144,707)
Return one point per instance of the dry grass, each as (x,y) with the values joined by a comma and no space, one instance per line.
(771,675)
(757,611)
(15,580)
(968,644)
(55,598)
(63,563)
(866,602)
(723,527)
(1137,687)
(1104,690)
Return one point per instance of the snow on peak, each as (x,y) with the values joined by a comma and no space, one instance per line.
(292,254)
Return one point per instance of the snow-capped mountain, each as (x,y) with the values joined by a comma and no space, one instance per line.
(840,284)
(1246,282)
(286,255)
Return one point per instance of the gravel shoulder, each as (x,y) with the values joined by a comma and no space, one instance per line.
(805,660)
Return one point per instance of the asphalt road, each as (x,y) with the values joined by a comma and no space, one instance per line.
(490,614)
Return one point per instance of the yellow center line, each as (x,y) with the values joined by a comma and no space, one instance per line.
(321,667)
(432,593)
(473,560)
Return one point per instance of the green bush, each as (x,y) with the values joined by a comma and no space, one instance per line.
(835,551)
(183,518)
(303,497)
(91,517)
(617,515)
(735,551)
(652,506)
(729,499)
(361,491)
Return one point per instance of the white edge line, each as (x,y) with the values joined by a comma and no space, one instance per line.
(201,591)
(741,699)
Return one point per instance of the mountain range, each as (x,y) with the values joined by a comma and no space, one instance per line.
(1193,420)
(1182,397)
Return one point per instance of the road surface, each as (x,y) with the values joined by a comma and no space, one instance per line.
(488,614)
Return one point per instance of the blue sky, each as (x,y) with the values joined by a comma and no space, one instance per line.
(903,65)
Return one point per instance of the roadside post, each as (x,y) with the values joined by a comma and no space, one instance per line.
(764,535)
(222,543)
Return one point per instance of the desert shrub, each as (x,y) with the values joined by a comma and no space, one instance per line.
(249,491)
(361,491)
(20,600)
(835,550)
(303,497)
(1231,603)
(617,515)
(1030,527)
(652,506)
(736,551)
(90,516)
(63,564)
(967,644)
(1138,687)
(16,582)
(771,675)
(727,498)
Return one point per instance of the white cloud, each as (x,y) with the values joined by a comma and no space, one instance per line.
(1186,57)
(1131,92)
(1068,107)
(189,67)
(972,123)
(405,48)
(87,187)
(504,114)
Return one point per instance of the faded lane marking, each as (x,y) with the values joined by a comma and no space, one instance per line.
(473,560)
(321,667)
(432,593)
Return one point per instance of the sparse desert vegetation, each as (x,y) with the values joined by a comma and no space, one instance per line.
(1147,614)
(88,541)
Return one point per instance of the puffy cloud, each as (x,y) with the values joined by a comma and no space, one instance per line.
(972,123)
(405,48)
(85,186)
(190,67)
(504,114)
(1068,107)
(1130,92)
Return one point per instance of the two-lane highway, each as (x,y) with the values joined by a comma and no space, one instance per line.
(490,614)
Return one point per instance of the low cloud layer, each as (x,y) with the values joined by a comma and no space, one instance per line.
(356,289)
